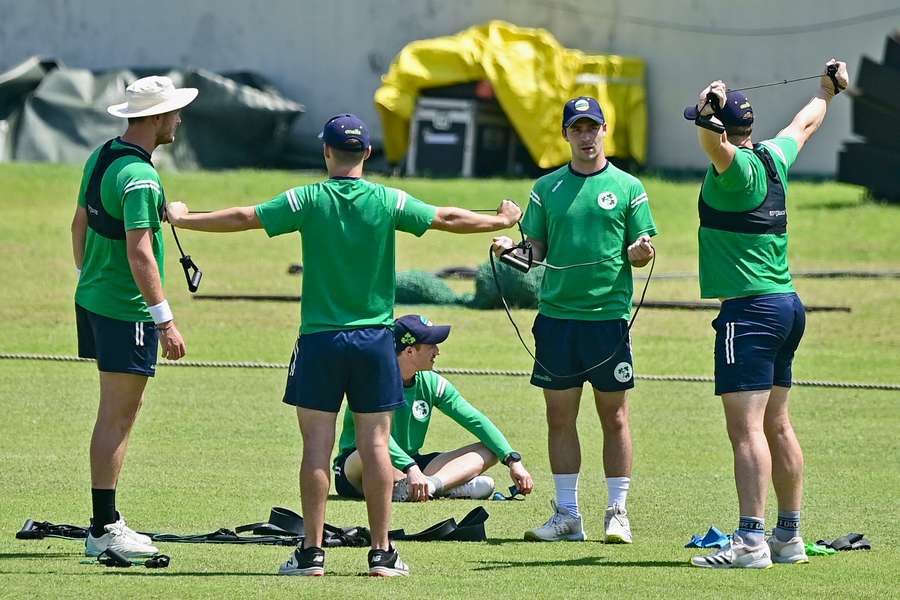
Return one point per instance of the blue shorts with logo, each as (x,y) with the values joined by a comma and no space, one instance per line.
(345,489)
(359,363)
(118,346)
(756,338)
(566,347)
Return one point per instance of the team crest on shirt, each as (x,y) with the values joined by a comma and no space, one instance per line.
(607,200)
(420,410)
(623,372)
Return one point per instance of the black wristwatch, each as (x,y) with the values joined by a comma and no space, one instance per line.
(511,458)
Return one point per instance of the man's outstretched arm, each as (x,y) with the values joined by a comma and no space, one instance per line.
(811,116)
(239,218)
(460,220)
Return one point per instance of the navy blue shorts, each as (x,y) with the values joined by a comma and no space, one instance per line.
(569,346)
(345,489)
(756,338)
(360,363)
(118,346)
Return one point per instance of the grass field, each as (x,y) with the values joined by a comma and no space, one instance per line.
(216,448)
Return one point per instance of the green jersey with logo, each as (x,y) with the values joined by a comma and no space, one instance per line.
(410,424)
(130,191)
(347,237)
(582,219)
(733,264)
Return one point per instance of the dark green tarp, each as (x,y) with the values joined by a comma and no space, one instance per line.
(52,113)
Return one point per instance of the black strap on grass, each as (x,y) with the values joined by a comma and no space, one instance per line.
(284,528)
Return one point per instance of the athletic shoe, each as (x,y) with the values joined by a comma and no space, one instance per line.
(561,526)
(401,490)
(615,522)
(305,561)
(477,488)
(736,555)
(791,552)
(144,539)
(117,538)
(140,537)
(386,563)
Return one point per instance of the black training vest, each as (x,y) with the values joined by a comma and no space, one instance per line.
(770,217)
(99,220)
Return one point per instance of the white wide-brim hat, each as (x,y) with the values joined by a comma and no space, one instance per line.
(152,96)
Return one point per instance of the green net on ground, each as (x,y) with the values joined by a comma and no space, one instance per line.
(520,289)
(421,287)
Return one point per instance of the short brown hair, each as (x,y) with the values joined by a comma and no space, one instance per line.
(347,157)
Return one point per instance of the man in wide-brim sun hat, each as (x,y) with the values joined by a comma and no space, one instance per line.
(121,313)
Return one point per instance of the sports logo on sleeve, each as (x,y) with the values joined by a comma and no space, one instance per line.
(607,200)
(420,410)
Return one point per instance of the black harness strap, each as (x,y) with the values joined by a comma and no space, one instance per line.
(98,218)
(285,528)
(770,217)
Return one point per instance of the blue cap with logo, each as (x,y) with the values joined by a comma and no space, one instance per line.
(410,330)
(582,107)
(737,111)
(346,132)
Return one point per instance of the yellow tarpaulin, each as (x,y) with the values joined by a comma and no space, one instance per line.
(532,76)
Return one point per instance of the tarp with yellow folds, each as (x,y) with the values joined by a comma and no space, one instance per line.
(532,76)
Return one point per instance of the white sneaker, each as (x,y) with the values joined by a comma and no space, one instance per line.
(615,522)
(736,555)
(792,552)
(477,488)
(561,526)
(144,539)
(117,538)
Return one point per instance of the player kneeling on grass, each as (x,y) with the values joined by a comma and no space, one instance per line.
(418,477)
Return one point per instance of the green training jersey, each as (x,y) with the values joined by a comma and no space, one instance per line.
(131,192)
(732,264)
(410,423)
(347,237)
(582,219)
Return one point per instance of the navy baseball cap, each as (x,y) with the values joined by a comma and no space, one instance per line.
(582,107)
(737,111)
(346,132)
(410,330)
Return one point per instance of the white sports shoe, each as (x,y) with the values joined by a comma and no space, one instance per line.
(736,555)
(144,539)
(615,522)
(477,488)
(117,538)
(792,552)
(561,526)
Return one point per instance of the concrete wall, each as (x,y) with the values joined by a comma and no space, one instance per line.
(329,55)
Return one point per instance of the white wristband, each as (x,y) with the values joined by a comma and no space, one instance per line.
(161,312)
(77,273)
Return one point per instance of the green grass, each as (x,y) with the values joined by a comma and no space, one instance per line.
(216,448)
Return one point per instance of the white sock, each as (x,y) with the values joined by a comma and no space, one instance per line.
(435,485)
(567,492)
(617,488)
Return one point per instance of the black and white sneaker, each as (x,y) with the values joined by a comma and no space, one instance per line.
(386,563)
(305,561)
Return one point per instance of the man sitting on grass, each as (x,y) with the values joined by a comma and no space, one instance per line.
(418,477)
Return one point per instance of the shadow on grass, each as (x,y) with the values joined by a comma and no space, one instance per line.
(38,555)
(143,572)
(587,561)
(829,205)
(501,541)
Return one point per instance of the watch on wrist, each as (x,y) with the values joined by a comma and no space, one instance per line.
(511,458)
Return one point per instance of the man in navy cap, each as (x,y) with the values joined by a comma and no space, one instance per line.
(592,222)
(418,477)
(346,345)
(743,262)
